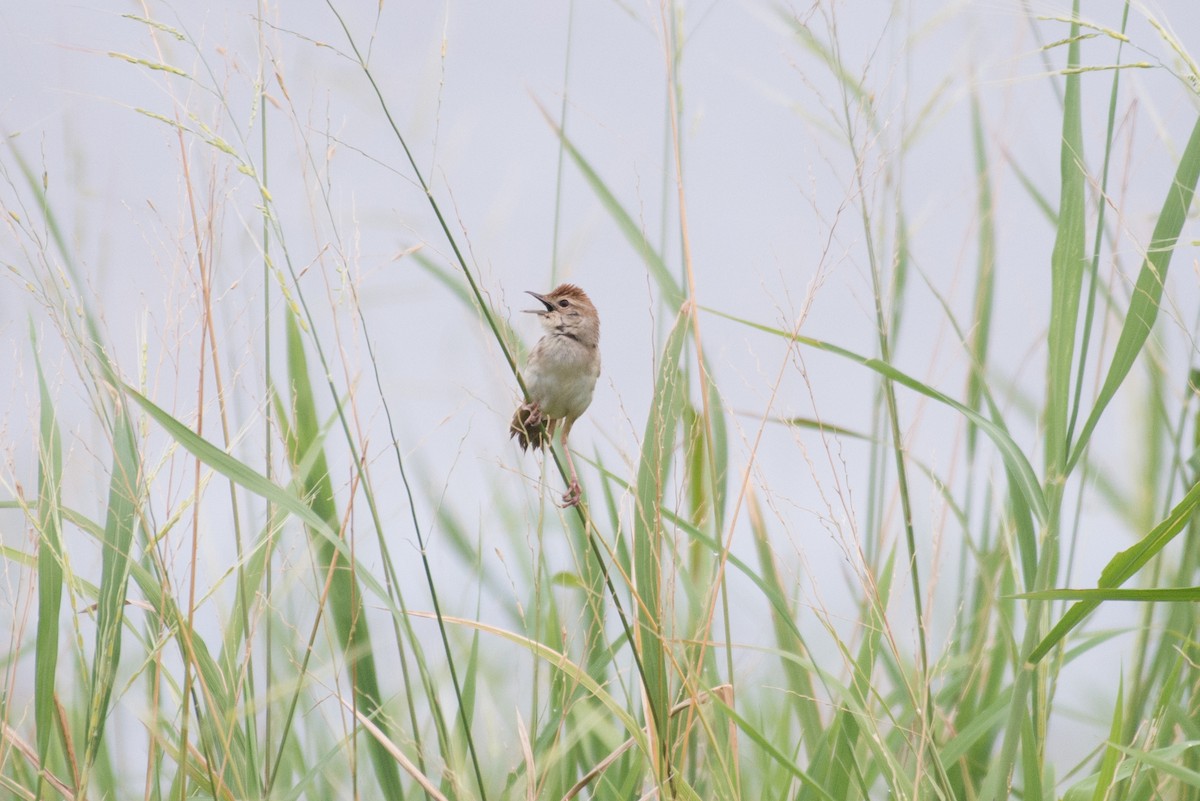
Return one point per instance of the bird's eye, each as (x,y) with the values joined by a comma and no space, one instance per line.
(564,303)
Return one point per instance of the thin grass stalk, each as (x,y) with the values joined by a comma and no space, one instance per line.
(346,606)
(1067,263)
(883,324)
(209,338)
(555,236)
(885,355)
(1093,273)
(243,675)
(673,52)
(1169,653)
(186,641)
(389,564)
(1101,210)
(122,516)
(1147,667)
(199,427)
(400,619)
(268,768)
(309,649)
(985,281)
(556,225)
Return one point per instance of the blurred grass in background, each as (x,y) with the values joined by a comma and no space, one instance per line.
(305,662)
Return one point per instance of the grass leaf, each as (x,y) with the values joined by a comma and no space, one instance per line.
(1147,292)
(1122,567)
(124,496)
(658,445)
(345,596)
(1012,455)
(673,294)
(49,569)
(1167,594)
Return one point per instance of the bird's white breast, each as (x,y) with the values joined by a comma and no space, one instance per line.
(561,376)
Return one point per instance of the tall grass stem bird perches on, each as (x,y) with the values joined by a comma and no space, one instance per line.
(560,374)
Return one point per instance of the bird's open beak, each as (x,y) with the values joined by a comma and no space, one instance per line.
(549,306)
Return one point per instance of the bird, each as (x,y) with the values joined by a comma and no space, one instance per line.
(560,374)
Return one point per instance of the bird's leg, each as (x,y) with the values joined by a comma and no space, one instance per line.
(574,492)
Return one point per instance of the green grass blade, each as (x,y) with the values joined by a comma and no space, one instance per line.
(1165,761)
(658,446)
(449,279)
(1014,458)
(980,729)
(223,739)
(1106,776)
(216,685)
(1165,594)
(1093,268)
(837,765)
(248,478)
(787,637)
(124,494)
(673,294)
(1068,261)
(1024,531)
(1123,566)
(576,673)
(1042,202)
(345,598)
(1032,767)
(809,783)
(1126,770)
(1147,292)
(720,451)
(49,571)
(1067,266)
(226,465)
(833,760)
(985,278)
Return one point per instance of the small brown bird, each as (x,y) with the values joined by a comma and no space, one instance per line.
(560,374)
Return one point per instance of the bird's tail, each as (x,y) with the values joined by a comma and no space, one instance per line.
(529,433)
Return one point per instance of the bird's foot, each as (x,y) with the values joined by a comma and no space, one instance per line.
(534,417)
(573,495)
(529,426)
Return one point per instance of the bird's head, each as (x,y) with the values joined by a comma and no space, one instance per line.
(569,312)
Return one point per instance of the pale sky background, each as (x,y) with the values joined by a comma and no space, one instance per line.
(771,211)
